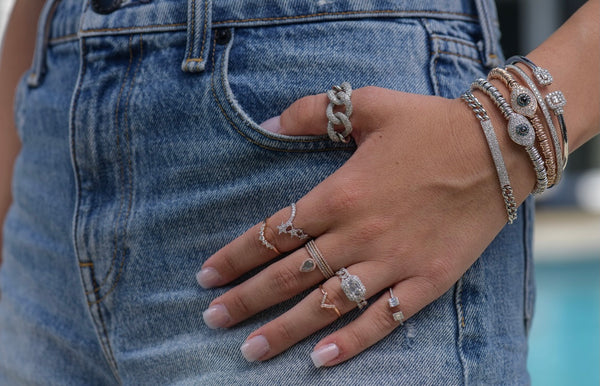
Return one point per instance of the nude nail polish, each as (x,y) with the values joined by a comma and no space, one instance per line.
(325,354)
(272,124)
(254,348)
(208,277)
(216,316)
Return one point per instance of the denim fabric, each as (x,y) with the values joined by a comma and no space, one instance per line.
(137,166)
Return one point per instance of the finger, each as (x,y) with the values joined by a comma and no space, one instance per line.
(308,316)
(279,282)
(373,325)
(306,116)
(248,251)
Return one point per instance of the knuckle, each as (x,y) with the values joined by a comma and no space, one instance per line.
(285,282)
(344,196)
(286,332)
(357,339)
(239,306)
(229,263)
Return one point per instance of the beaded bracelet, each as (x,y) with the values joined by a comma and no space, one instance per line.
(490,136)
(523,102)
(519,130)
(556,99)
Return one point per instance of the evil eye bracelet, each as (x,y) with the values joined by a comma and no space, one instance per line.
(561,159)
(523,101)
(520,131)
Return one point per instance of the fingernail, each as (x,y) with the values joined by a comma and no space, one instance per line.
(255,348)
(216,316)
(208,277)
(272,124)
(324,354)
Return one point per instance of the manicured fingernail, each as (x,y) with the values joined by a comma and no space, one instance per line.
(272,124)
(208,277)
(324,354)
(254,348)
(216,316)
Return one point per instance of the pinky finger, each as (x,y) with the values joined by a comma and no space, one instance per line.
(373,325)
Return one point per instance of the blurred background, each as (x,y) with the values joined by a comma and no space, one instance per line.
(565,336)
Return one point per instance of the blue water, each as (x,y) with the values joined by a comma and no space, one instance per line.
(565,335)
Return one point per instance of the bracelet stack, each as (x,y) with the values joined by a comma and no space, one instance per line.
(523,124)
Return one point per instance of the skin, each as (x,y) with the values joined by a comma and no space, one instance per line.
(445,218)
(450,210)
(16,57)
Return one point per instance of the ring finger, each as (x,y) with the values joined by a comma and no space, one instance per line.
(309,316)
(279,282)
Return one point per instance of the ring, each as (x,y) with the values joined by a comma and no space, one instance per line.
(353,288)
(263,239)
(316,259)
(338,96)
(324,303)
(394,302)
(288,227)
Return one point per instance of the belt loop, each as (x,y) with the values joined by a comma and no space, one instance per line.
(198,35)
(38,67)
(487,15)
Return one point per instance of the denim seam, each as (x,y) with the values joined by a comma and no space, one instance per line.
(457,41)
(239,131)
(300,17)
(121,174)
(109,357)
(63,39)
(132,28)
(130,178)
(192,39)
(434,56)
(461,324)
(455,54)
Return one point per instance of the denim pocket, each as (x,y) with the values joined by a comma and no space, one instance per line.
(457,50)
(262,70)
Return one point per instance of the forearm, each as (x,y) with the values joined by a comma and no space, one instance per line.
(15,59)
(571,55)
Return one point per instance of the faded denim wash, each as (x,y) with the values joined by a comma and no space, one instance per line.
(142,156)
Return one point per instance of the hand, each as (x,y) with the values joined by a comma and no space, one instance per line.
(412,209)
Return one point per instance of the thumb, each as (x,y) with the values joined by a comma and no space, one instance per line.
(306,116)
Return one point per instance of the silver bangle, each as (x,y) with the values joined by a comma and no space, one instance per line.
(542,75)
(490,136)
(561,159)
(520,131)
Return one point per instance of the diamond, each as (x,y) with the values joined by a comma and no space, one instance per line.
(523,101)
(556,101)
(520,130)
(543,76)
(398,317)
(393,302)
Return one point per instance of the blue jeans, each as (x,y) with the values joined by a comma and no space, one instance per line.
(142,156)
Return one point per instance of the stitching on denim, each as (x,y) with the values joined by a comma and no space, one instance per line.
(205,29)
(249,139)
(132,28)
(74,151)
(434,57)
(104,339)
(130,176)
(299,17)
(455,54)
(453,40)
(231,104)
(121,173)
(192,38)
(63,39)
(460,326)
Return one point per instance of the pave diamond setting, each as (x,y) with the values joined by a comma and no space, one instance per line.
(352,287)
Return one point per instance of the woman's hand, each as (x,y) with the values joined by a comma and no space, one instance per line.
(412,209)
